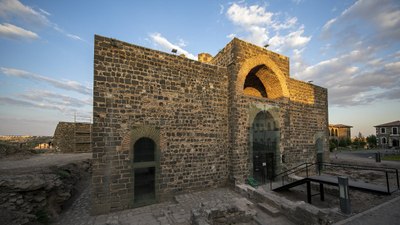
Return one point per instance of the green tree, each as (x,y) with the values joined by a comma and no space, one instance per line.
(359,141)
(342,142)
(333,143)
(371,140)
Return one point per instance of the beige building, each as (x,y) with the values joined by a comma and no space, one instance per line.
(339,131)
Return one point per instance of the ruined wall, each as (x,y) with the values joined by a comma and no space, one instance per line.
(181,101)
(72,137)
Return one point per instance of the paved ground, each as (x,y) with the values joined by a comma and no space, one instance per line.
(387,213)
(171,212)
(364,157)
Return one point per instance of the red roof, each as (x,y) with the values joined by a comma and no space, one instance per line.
(391,124)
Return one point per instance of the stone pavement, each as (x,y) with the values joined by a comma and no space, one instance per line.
(176,212)
(386,213)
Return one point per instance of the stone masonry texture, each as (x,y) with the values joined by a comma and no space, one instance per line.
(199,116)
(70,137)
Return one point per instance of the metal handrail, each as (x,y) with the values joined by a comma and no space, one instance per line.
(309,165)
(373,168)
(290,170)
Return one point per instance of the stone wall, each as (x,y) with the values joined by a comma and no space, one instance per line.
(198,116)
(70,137)
(303,114)
(184,100)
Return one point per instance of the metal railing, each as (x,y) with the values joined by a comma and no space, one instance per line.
(321,168)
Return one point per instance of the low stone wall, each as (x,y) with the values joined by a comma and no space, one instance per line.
(299,212)
(36,196)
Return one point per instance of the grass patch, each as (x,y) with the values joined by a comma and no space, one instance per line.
(391,157)
(63,174)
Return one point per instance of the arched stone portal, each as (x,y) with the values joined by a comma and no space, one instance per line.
(260,74)
(144,171)
(145,156)
(265,138)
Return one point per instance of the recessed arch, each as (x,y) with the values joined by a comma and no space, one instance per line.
(145,159)
(272,78)
(144,150)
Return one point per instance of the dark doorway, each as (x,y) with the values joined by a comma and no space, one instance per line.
(265,136)
(144,150)
(144,184)
(144,168)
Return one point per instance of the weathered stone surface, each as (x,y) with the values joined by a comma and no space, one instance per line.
(199,115)
(26,197)
(70,137)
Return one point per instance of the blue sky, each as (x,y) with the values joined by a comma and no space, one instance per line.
(350,47)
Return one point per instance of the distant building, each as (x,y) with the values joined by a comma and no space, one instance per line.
(339,131)
(387,134)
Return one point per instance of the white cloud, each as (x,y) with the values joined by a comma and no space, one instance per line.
(382,18)
(362,43)
(182,43)
(289,23)
(263,27)
(231,36)
(158,39)
(75,37)
(10,31)
(62,84)
(48,97)
(14,10)
(328,24)
(292,40)
(83,113)
(356,78)
(249,16)
(44,12)
(19,102)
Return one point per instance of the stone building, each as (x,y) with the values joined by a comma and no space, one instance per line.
(339,131)
(164,124)
(387,135)
(72,137)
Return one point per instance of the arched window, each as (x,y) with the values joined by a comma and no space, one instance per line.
(144,149)
(384,140)
(336,133)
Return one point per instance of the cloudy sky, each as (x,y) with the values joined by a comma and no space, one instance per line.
(350,47)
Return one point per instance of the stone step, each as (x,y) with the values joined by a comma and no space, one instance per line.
(261,219)
(270,210)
